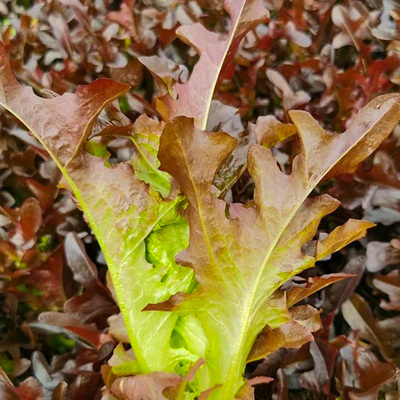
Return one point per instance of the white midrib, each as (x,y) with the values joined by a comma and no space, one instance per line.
(221,64)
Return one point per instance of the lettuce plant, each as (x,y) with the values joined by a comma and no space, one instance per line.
(198,280)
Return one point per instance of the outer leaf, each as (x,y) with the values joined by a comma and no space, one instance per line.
(242,259)
(122,210)
(342,236)
(146,138)
(380,255)
(300,292)
(31,218)
(193,98)
(117,328)
(145,134)
(144,387)
(319,378)
(153,386)
(28,389)
(268,131)
(293,334)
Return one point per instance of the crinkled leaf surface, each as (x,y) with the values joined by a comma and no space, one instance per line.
(145,135)
(121,207)
(240,254)
(146,138)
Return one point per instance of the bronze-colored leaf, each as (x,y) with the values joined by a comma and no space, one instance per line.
(215,61)
(268,131)
(359,316)
(241,255)
(299,292)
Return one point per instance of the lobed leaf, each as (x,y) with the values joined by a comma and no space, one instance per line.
(121,208)
(240,254)
(268,131)
(193,98)
(300,292)
(293,334)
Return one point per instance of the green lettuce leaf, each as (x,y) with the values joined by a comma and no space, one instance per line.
(128,216)
(241,254)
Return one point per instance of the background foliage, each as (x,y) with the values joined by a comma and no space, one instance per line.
(59,323)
